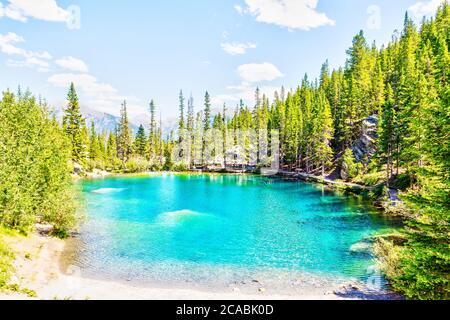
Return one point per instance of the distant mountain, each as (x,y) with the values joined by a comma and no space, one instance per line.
(102,121)
(108,122)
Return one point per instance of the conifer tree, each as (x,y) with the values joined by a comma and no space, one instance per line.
(388,128)
(74,122)
(140,142)
(181,123)
(153,134)
(94,147)
(325,133)
(207,112)
(124,141)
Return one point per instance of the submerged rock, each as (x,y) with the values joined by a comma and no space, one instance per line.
(361,247)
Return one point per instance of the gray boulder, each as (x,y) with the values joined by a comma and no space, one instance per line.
(366,146)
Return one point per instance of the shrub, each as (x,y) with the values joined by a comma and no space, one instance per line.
(349,165)
(180,167)
(370,179)
(35,182)
(135,165)
(6,268)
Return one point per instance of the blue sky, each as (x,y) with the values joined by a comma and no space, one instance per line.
(142,50)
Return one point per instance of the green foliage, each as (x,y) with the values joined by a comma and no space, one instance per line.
(135,165)
(424,271)
(180,167)
(370,179)
(405,83)
(6,267)
(75,127)
(207,112)
(182,123)
(403,181)
(140,142)
(349,164)
(124,139)
(35,184)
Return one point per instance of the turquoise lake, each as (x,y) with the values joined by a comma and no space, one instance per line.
(216,229)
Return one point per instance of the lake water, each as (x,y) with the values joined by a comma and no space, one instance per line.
(220,230)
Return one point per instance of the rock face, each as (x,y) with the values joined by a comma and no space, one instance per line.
(77,168)
(366,146)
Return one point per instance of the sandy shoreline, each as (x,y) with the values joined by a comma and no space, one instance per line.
(43,264)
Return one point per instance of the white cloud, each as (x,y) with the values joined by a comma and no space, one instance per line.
(237,48)
(72,64)
(425,8)
(33,62)
(239,9)
(255,72)
(11,13)
(245,91)
(88,83)
(291,14)
(7,42)
(250,75)
(30,59)
(99,96)
(21,10)
(7,46)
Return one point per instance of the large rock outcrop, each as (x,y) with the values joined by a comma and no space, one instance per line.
(366,146)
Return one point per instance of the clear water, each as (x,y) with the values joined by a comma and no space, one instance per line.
(216,229)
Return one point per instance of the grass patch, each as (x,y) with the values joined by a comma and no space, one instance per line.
(7,258)
(6,266)
(370,179)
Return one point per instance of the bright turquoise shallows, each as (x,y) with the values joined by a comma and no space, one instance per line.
(216,228)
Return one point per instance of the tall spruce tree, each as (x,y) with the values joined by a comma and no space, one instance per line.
(140,142)
(182,122)
(74,123)
(207,112)
(153,134)
(124,140)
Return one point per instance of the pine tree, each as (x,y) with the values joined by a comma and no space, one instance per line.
(207,112)
(124,141)
(190,115)
(206,127)
(325,76)
(190,128)
(388,134)
(337,102)
(74,122)
(358,76)
(140,142)
(153,134)
(94,148)
(225,134)
(325,133)
(35,183)
(181,123)
(111,150)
